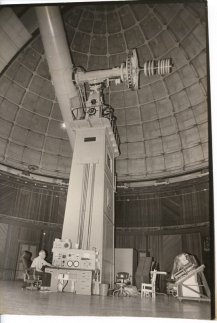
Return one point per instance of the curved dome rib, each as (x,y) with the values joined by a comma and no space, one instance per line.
(163,126)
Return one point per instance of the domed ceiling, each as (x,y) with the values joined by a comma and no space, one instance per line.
(163,126)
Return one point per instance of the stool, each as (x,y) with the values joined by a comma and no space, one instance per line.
(122,280)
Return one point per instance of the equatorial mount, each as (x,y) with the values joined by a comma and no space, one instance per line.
(128,72)
(92,83)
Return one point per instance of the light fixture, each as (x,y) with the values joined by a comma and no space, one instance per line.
(63,125)
(161,182)
(32,167)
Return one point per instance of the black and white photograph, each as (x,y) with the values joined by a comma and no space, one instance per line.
(106,181)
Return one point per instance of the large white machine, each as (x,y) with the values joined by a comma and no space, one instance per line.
(65,256)
(75,270)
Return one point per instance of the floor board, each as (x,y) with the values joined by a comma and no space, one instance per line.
(14,300)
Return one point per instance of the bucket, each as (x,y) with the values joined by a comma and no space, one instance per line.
(103,289)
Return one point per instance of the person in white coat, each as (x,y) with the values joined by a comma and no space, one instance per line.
(39,264)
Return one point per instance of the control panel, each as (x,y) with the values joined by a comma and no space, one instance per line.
(66,257)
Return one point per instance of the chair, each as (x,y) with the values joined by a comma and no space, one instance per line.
(32,279)
(149,289)
(122,280)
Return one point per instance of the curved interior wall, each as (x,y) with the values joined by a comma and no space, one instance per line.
(148,219)
(184,203)
(167,220)
(31,214)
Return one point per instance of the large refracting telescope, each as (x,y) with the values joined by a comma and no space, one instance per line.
(91,128)
(89,214)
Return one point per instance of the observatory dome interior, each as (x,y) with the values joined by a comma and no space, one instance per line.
(163,126)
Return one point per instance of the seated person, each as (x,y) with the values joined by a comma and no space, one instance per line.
(39,263)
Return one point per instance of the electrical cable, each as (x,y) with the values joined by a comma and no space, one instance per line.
(60,282)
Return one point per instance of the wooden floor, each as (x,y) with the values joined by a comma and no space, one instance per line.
(14,300)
